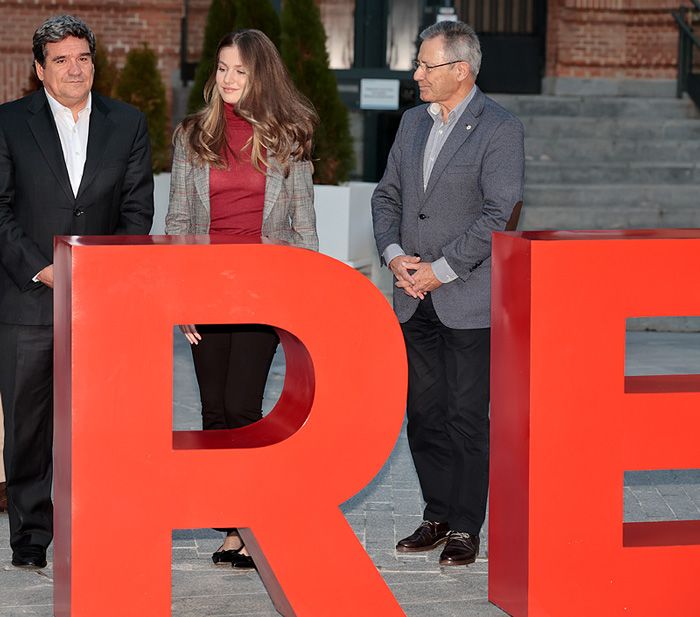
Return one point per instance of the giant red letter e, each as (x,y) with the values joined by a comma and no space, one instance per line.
(567,424)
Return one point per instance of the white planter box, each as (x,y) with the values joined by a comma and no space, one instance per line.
(344,223)
(161,196)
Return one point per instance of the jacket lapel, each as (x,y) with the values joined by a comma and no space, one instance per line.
(43,127)
(273,185)
(101,128)
(201,185)
(420,140)
(466,124)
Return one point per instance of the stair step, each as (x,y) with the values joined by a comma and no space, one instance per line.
(611,150)
(595,107)
(665,198)
(556,127)
(546,172)
(598,217)
(609,162)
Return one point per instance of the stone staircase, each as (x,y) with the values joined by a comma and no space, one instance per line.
(609,162)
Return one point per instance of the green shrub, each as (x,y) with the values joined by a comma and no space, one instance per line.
(140,84)
(33,83)
(220,20)
(261,15)
(106,73)
(223,17)
(304,53)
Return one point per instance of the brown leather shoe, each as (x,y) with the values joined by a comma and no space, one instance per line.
(461,549)
(3,497)
(428,535)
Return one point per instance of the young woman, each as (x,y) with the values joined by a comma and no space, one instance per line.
(242,165)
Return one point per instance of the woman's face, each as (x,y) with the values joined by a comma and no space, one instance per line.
(231,75)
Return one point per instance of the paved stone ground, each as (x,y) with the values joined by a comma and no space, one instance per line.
(665,494)
(389,508)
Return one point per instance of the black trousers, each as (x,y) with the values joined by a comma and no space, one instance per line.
(26,386)
(448,417)
(232,363)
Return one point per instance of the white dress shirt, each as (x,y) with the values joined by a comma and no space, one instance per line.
(73,136)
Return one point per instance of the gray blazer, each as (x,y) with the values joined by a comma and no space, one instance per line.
(288,212)
(475,184)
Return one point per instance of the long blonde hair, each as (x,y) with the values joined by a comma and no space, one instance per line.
(282,118)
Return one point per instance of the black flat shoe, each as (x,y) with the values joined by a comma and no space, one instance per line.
(234,557)
(30,557)
(243,562)
(224,557)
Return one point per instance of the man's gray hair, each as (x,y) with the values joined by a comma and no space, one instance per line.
(55,29)
(461,42)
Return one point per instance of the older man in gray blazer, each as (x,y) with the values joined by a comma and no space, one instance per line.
(454,176)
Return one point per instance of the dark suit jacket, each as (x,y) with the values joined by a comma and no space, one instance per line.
(475,184)
(37,202)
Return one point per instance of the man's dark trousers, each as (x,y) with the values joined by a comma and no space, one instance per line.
(26,381)
(448,417)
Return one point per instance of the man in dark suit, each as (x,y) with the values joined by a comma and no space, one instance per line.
(71,163)
(454,175)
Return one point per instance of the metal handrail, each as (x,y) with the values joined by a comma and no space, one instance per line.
(687,81)
(687,30)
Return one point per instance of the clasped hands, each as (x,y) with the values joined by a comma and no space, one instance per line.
(414,276)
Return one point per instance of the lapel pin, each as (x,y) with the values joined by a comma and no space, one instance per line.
(469,127)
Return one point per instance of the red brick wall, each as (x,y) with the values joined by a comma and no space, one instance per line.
(618,39)
(119,25)
(622,39)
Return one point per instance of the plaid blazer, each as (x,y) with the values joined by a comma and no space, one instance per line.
(288,211)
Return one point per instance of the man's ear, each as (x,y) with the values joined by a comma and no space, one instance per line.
(464,71)
(39,70)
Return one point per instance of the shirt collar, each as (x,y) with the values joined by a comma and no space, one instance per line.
(434,108)
(57,108)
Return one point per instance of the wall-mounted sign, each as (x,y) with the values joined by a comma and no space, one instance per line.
(446,14)
(379,93)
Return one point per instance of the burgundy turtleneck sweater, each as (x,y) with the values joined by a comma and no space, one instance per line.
(236,194)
